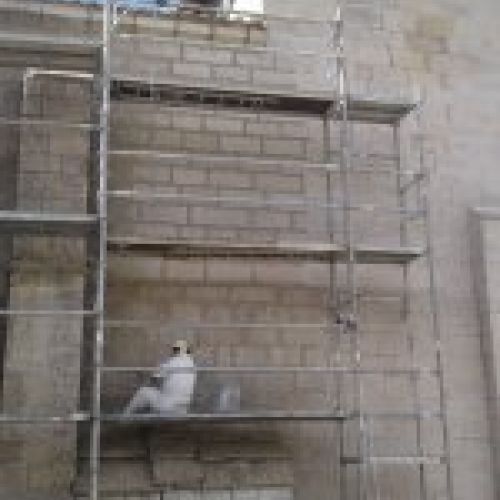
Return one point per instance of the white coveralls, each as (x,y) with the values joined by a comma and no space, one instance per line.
(175,392)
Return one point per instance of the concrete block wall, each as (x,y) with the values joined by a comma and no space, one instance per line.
(271,140)
(9,151)
(195,184)
(273,152)
(180,294)
(36,19)
(56,158)
(42,353)
(451,52)
(418,47)
(272,64)
(436,44)
(193,459)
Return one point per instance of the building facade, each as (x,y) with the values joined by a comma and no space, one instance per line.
(226,225)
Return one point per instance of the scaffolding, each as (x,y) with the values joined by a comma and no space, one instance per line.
(333,239)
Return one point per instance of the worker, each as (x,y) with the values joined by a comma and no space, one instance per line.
(175,389)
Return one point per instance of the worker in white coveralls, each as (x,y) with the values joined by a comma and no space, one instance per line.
(175,389)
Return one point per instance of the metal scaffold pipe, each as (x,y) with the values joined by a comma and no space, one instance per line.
(98,348)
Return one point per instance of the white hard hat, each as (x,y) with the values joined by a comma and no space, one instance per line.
(182,346)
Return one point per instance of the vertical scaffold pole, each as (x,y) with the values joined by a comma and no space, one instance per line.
(438,343)
(335,384)
(101,268)
(350,304)
(414,378)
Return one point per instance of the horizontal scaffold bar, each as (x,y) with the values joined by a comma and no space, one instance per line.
(44,419)
(254,202)
(320,252)
(359,108)
(64,224)
(47,123)
(250,416)
(277,370)
(223,417)
(45,312)
(195,159)
(395,460)
(139,323)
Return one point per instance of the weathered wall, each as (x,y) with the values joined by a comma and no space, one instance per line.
(46,273)
(9,151)
(180,294)
(450,51)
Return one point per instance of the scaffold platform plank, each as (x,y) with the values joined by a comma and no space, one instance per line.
(250,416)
(44,419)
(363,109)
(16,222)
(319,252)
(126,87)
(395,460)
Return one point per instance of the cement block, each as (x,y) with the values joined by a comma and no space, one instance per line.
(219,217)
(192,70)
(194,29)
(241,144)
(183,270)
(223,124)
(284,147)
(177,472)
(189,176)
(279,183)
(228,271)
(200,142)
(231,74)
(212,55)
(186,121)
(265,78)
(230,179)
(257,58)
